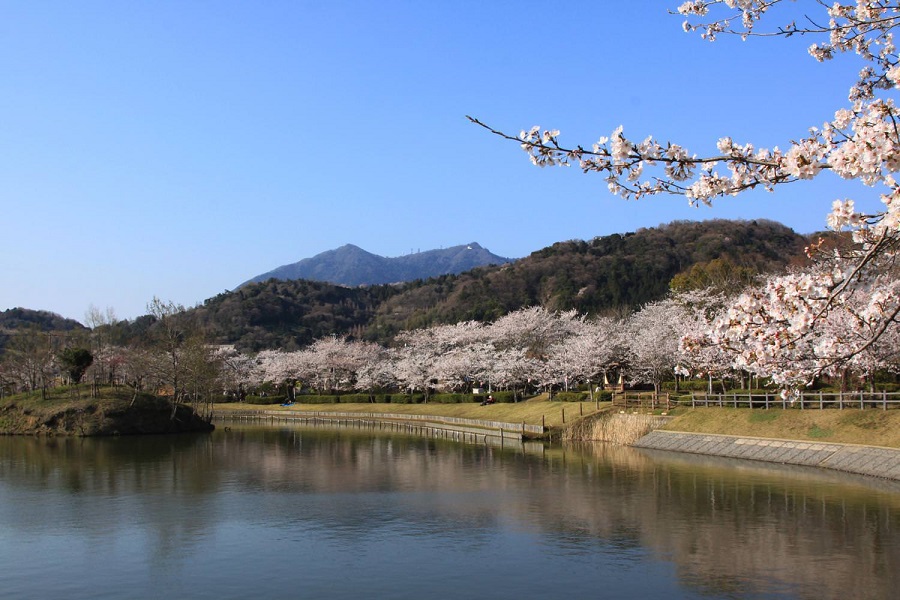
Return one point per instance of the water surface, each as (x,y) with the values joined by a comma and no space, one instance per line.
(293,511)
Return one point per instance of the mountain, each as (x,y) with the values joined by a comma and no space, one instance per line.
(618,272)
(350,265)
(614,273)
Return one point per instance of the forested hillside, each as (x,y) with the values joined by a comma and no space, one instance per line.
(288,314)
(618,272)
(609,273)
(615,272)
(34,320)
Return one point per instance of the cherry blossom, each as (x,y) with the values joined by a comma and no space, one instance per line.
(856,282)
(653,335)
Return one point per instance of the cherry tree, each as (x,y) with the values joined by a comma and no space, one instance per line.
(136,367)
(285,368)
(761,330)
(414,360)
(512,369)
(698,354)
(596,348)
(541,334)
(238,371)
(535,329)
(377,372)
(653,336)
(466,364)
(444,354)
(336,362)
(861,142)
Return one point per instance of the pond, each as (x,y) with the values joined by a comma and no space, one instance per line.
(299,511)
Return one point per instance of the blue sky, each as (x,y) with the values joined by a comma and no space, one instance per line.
(176,149)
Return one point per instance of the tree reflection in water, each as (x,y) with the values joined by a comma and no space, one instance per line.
(294,504)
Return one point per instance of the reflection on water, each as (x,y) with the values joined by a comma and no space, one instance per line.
(320,512)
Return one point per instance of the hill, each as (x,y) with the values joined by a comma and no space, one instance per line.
(352,266)
(613,273)
(609,273)
(288,314)
(40,320)
(14,318)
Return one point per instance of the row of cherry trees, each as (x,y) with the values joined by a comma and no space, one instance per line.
(530,349)
(686,335)
(841,314)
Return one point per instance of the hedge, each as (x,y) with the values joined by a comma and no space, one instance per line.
(274,399)
(571,397)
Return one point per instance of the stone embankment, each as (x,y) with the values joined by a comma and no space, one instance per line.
(863,460)
(643,431)
(474,429)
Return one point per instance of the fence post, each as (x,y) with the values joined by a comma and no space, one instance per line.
(884,399)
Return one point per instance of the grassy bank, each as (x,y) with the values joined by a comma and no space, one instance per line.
(71,410)
(871,427)
(530,411)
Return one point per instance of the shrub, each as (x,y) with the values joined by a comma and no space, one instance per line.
(354,398)
(274,399)
(318,399)
(571,396)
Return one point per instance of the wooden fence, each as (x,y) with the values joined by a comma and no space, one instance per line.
(804,400)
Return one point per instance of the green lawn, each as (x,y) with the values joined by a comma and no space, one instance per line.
(872,427)
(529,411)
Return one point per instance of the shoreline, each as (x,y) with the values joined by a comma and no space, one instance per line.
(873,461)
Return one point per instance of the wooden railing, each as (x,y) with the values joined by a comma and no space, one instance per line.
(803,400)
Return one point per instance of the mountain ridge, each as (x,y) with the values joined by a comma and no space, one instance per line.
(607,274)
(353,266)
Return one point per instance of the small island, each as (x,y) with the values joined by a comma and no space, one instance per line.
(107,411)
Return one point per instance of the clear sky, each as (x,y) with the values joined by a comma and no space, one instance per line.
(177,149)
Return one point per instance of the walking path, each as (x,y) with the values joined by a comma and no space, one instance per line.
(864,460)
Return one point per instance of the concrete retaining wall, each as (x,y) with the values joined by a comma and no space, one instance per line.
(863,460)
(482,428)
